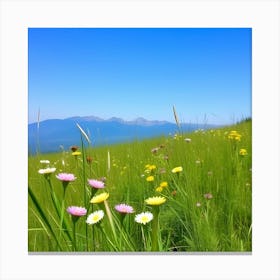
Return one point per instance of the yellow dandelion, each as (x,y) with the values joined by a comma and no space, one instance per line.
(243,152)
(150,178)
(159,189)
(163,184)
(177,169)
(152,167)
(99,198)
(234,135)
(76,153)
(155,200)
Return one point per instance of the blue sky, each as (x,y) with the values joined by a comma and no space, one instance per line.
(140,72)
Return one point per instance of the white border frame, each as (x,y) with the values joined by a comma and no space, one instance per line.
(17,16)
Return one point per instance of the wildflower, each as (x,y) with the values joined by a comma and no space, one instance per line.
(95,217)
(174,192)
(166,157)
(152,167)
(99,198)
(177,169)
(102,179)
(198,204)
(77,211)
(234,135)
(124,208)
(150,178)
(197,161)
(89,159)
(208,195)
(155,200)
(144,218)
(76,153)
(163,184)
(47,171)
(243,152)
(159,189)
(154,150)
(74,148)
(96,184)
(45,161)
(66,177)
(188,140)
(162,171)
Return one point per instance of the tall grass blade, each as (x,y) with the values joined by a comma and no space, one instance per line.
(43,216)
(83,133)
(108,162)
(176,118)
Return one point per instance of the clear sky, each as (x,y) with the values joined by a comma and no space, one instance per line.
(140,72)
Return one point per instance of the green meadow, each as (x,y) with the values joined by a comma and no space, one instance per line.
(194,191)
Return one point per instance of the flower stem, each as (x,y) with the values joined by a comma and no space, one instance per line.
(155,229)
(74,235)
(144,239)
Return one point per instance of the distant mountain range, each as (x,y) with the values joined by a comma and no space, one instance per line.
(57,133)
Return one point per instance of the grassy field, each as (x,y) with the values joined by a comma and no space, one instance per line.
(199,185)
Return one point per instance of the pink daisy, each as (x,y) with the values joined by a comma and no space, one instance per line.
(77,211)
(96,184)
(66,177)
(124,208)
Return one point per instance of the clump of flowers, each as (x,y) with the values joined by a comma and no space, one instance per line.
(95,217)
(144,218)
(100,198)
(243,152)
(162,186)
(177,169)
(234,135)
(96,184)
(149,168)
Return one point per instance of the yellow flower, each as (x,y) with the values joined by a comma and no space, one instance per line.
(76,153)
(99,198)
(177,169)
(234,135)
(163,184)
(155,200)
(243,152)
(159,189)
(150,178)
(152,167)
